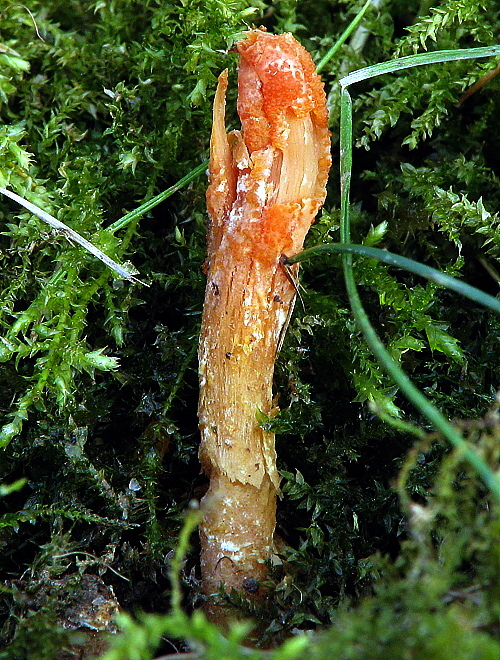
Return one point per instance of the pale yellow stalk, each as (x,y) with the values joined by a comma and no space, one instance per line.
(267,183)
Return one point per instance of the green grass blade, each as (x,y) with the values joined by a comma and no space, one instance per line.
(414,395)
(345,164)
(431,412)
(416,267)
(418,60)
(343,37)
(154,201)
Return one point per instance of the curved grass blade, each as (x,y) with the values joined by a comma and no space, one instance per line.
(419,400)
(432,274)
(392,66)
(431,412)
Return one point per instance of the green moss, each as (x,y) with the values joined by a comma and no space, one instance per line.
(99,385)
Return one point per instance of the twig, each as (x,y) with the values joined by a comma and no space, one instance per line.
(478,85)
(99,561)
(31,16)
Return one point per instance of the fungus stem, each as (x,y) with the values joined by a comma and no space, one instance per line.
(267,183)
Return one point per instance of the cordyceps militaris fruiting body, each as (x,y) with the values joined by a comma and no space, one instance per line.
(267,183)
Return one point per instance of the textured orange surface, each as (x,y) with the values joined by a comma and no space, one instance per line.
(276,74)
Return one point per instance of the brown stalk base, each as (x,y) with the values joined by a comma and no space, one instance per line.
(221,564)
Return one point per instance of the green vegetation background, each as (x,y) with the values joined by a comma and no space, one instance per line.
(390,546)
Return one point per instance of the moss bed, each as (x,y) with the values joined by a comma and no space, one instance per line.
(389,546)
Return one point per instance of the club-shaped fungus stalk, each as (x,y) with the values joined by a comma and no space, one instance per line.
(267,183)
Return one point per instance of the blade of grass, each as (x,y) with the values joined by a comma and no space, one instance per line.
(421,402)
(431,412)
(343,37)
(345,167)
(420,59)
(154,201)
(416,267)
(71,235)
